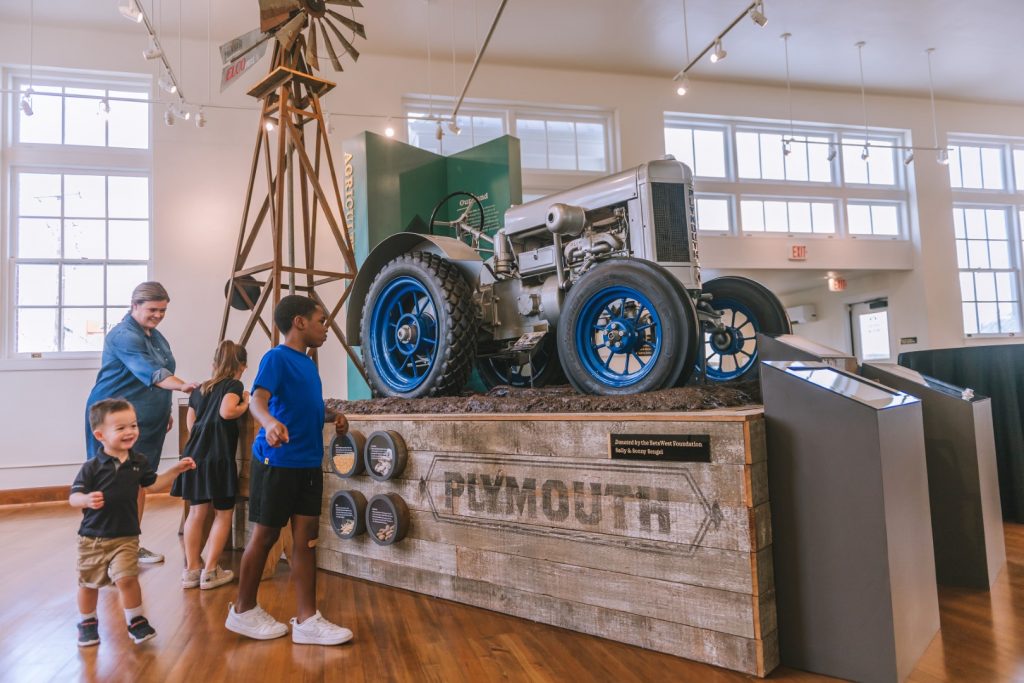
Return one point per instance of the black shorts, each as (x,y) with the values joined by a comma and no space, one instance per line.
(218,503)
(277,493)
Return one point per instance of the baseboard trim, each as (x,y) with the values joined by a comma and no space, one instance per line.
(42,494)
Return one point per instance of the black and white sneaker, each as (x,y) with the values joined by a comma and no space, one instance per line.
(88,632)
(140,630)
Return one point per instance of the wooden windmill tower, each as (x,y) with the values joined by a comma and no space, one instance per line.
(291,145)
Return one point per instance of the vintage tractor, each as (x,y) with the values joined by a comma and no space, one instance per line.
(600,282)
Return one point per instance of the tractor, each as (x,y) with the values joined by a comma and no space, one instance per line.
(598,285)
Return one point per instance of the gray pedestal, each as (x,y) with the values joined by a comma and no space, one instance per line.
(795,347)
(967,525)
(852,542)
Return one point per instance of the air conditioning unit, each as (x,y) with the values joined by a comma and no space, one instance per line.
(807,313)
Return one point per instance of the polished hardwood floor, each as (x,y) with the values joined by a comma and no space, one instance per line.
(400,636)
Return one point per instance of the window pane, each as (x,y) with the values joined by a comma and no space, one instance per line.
(967,287)
(422,134)
(85,196)
(999,253)
(128,123)
(709,149)
(590,138)
(970,167)
(955,169)
(985,284)
(824,217)
(39,194)
(817,158)
(533,141)
(37,284)
(37,330)
(1005,287)
(752,215)
(561,145)
(885,220)
(83,285)
(977,252)
(38,238)
(796,162)
(84,239)
(44,126)
(713,214)
(487,128)
(775,217)
(748,155)
(859,216)
(114,316)
(854,169)
(996,220)
(121,280)
(129,240)
(771,157)
(83,124)
(679,143)
(970,319)
(958,223)
(83,329)
(975,219)
(129,196)
(1018,168)
(881,164)
(1009,319)
(992,167)
(988,318)
(799,217)
(961,254)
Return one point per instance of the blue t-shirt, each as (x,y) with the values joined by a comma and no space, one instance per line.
(296,401)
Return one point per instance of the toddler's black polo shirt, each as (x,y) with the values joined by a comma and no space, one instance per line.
(119,483)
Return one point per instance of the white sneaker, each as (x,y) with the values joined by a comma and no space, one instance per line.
(318,631)
(190,578)
(149,557)
(255,623)
(218,577)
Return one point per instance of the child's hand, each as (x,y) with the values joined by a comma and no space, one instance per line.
(277,434)
(245,397)
(340,424)
(186,464)
(94,500)
(189,387)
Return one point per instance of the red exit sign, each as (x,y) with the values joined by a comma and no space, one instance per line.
(798,252)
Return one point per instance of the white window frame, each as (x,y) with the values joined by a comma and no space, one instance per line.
(18,157)
(535,180)
(838,191)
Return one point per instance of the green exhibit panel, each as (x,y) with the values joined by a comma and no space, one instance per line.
(392,187)
(851,529)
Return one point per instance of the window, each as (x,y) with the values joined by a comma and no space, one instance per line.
(785,180)
(77,233)
(473,131)
(988,273)
(977,167)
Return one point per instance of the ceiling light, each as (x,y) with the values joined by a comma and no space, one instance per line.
(181,112)
(268,125)
(943,157)
(103,110)
(389,129)
(131,11)
(719,53)
(26,103)
(864,154)
(757,14)
(909,158)
(454,127)
(169,117)
(200,118)
(167,83)
(153,50)
(439,133)
(832,152)
(787,148)
(683,87)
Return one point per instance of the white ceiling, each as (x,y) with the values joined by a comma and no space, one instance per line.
(978,57)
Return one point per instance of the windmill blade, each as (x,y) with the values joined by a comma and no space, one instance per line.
(273,13)
(330,51)
(311,57)
(353,26)
(346,3)
(287,33)
(349,48)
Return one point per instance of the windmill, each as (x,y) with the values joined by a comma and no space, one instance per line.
(291,139)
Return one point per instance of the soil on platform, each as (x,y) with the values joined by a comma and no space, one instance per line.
(562,399)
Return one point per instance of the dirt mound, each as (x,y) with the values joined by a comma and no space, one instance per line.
(562,399)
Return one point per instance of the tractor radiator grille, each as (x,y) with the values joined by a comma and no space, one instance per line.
(671,231)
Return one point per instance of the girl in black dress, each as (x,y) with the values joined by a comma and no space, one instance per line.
(213,412)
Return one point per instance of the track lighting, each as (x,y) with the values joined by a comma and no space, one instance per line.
(719,53)
(131,11)
(439,133)
(757,13)
(907,160)
(153,50)
(200,118)
(169,117)
(864,154)
(943,157)
(181,112)
(167,83)
(26,103)
(454,127)
(103,110)
(683,87)
(832,152)
(787,148)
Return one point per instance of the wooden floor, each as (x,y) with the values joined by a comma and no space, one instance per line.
(400,636)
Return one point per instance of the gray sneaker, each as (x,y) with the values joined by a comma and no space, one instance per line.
(190,578)
(217,577)
(149,557)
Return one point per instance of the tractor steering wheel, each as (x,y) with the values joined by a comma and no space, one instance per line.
(459,233)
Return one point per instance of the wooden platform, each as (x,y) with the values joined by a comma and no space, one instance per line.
(527,515)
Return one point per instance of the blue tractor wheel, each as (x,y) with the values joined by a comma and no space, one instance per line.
(418,328)
(747,309)
(624,329)
(542,369)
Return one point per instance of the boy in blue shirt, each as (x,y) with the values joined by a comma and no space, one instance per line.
(286,479)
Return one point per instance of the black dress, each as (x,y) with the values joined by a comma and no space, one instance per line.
(212,445)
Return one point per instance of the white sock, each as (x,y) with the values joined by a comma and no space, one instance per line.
(131,613)
(90,615)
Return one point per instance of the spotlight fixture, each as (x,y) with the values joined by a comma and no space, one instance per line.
(167,83)
(26,103)
(757,13)
(152,50)
(439,133)
(169,117)
(683,87)
(131,11)
(864,154)
(454,127)
(103,109)
(179,110)
(907,160)
(268,125)
(389,129)
(200,118)
(787,148)
(943,157)
(832,152)
(719,54)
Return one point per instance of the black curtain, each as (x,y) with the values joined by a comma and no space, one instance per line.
(997,372)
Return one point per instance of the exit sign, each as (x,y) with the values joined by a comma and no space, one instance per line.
(798,252)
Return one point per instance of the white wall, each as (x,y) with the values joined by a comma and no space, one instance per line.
(200,176)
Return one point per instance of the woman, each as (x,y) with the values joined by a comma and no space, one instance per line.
(138,366)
